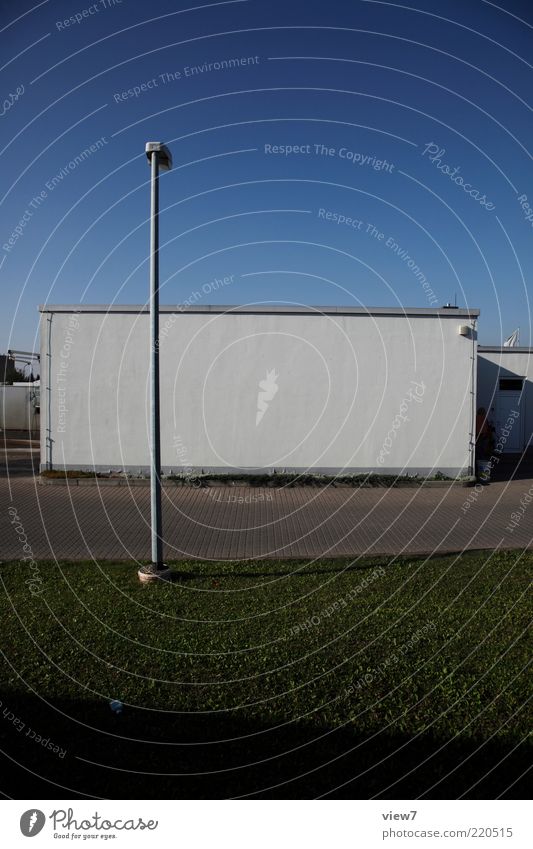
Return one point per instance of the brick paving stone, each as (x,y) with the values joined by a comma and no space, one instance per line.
(80,523)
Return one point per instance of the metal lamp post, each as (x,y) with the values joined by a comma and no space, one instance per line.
(160,159)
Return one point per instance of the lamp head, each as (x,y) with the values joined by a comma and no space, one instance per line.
(164,154)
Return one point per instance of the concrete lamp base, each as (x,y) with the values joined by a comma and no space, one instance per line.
(151,573)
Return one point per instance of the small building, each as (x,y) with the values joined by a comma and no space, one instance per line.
(20,407)
(505,391)
(261,388)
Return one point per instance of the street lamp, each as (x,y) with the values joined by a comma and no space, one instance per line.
(159,159)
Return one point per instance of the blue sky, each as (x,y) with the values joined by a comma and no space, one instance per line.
(361,153)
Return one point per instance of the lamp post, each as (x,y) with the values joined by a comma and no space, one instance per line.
(159,159)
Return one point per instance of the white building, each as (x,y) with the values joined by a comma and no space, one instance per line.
(505,387)
(19,407)
(261,388)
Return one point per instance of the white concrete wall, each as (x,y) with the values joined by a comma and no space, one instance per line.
(355,392)
(508,363)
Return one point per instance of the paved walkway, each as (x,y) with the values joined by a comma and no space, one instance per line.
(78,523)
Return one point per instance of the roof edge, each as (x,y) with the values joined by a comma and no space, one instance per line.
(262,309)
(500,349)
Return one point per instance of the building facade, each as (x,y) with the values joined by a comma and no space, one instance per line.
(20,407)
(505,391)
(261,389)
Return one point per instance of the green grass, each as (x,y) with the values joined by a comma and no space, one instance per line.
(413,684)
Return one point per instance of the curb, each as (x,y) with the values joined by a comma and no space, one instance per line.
(229,484)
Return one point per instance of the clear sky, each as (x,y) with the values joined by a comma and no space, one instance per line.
(325,152)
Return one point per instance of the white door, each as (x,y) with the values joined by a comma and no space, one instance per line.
(507,403)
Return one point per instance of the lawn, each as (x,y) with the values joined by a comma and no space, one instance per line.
(396,678)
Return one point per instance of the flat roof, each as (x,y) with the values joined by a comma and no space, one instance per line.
(500,349)
(262,309)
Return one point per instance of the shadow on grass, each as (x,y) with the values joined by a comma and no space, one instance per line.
(145,754)
(306,567)
(288,569)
